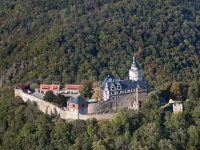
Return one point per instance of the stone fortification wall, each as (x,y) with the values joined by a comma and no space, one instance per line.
(51,109)
(108,116)
(93,108)
(18,92)
(116,102)
(42,105)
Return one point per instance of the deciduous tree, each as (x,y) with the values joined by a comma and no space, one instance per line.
(86,90)
(49,96)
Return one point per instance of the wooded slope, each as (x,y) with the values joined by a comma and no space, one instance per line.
(67,41)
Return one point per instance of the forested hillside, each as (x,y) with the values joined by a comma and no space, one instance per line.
(24,127)
(67,41)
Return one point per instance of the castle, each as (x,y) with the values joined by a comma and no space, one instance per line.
(132,89)
(115,94)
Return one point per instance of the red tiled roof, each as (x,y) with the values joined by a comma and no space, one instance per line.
(51,87)
(23,86)
(55,87)
(45,87)
(72,86)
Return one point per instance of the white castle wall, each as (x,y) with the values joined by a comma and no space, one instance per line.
(43,105)
(108,116)
(51,109)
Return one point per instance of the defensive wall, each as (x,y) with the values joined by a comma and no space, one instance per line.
(51,109)
(108,116)
(121,101)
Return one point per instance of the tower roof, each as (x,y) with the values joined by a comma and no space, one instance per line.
(134,64)
(77,100)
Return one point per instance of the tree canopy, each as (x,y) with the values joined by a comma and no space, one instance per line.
(67,41)
(23,126)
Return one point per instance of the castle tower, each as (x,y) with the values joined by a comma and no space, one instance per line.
(106,93)
(135,73)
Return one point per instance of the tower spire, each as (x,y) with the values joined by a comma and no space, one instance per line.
(134,64)
(134,59)
(135,73)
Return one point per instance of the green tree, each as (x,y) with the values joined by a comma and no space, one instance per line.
(150,108)
(176,127)
(196,114)
(99,145)
(152,134)
(61,135)
(42,134)
(86,90)
(9,141)
(49,96)
(178,91)
(193,91)
(165,90)
(61,100)
(25,139)
(32,112)
(194,136)
(165,144)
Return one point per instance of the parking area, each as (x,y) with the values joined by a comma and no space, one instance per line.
(41,95)
(38,95)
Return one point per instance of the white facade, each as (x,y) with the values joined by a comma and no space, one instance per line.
(177,108)
(135,73)
(106,93)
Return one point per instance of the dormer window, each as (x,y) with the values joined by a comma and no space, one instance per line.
(118,86)
(113,88)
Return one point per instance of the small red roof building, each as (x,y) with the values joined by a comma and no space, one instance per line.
(49,87)
(23,86)
(72,88)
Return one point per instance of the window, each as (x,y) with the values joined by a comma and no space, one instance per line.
(118,91)
(73,105)
(112,92)
(113,88)
(82,105)
(118,87)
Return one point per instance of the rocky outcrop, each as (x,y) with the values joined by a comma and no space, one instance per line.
(14,71)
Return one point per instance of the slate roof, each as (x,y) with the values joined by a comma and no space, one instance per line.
(108,79)
(134,64)
(78,100)
(125,84)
